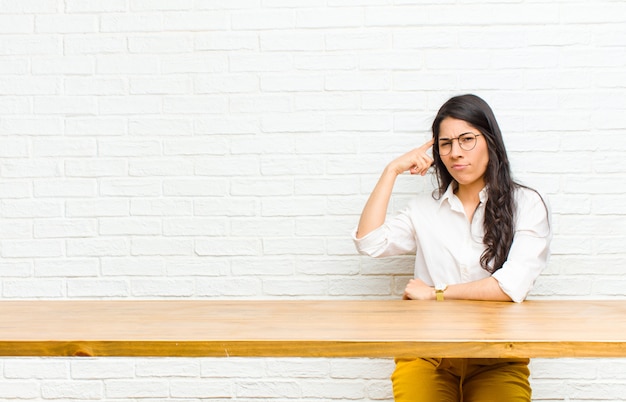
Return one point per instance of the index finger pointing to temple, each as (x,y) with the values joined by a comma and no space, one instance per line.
(428,144)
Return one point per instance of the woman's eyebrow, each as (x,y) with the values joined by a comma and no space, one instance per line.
(447,139)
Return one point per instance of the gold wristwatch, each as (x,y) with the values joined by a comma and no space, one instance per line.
(439,289)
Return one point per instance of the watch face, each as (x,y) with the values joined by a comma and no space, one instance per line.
(441,287)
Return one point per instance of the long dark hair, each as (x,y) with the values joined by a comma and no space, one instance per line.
(500,206)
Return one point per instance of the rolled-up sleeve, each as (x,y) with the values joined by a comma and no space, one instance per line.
(530,250)
(395,237)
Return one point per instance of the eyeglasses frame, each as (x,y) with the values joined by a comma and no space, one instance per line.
(459,143)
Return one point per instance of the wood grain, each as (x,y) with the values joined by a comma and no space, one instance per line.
(346,328)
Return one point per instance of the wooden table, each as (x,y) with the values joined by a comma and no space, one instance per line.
(313,328)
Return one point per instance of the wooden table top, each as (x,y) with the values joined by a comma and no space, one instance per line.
(344,328)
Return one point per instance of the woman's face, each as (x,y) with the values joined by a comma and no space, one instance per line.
(466,166)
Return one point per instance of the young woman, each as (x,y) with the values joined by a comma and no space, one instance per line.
(481,236)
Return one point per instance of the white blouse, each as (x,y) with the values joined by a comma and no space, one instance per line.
(448,247)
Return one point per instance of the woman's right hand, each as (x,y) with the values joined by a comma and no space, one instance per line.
(416,161)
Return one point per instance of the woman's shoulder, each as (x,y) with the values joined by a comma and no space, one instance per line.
(422,203)
(425,198)
(529,198)
(528,194)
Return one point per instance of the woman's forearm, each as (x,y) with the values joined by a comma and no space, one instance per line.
(484,289)
(487,289)
(375,210)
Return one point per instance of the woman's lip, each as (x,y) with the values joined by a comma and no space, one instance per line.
(459,166)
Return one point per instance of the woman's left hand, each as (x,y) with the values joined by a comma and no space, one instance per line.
(416,289)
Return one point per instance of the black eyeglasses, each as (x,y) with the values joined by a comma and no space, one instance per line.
(467,142)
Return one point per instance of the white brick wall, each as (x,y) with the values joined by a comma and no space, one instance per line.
(224,149)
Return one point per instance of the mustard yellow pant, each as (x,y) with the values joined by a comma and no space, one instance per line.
(466,380)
